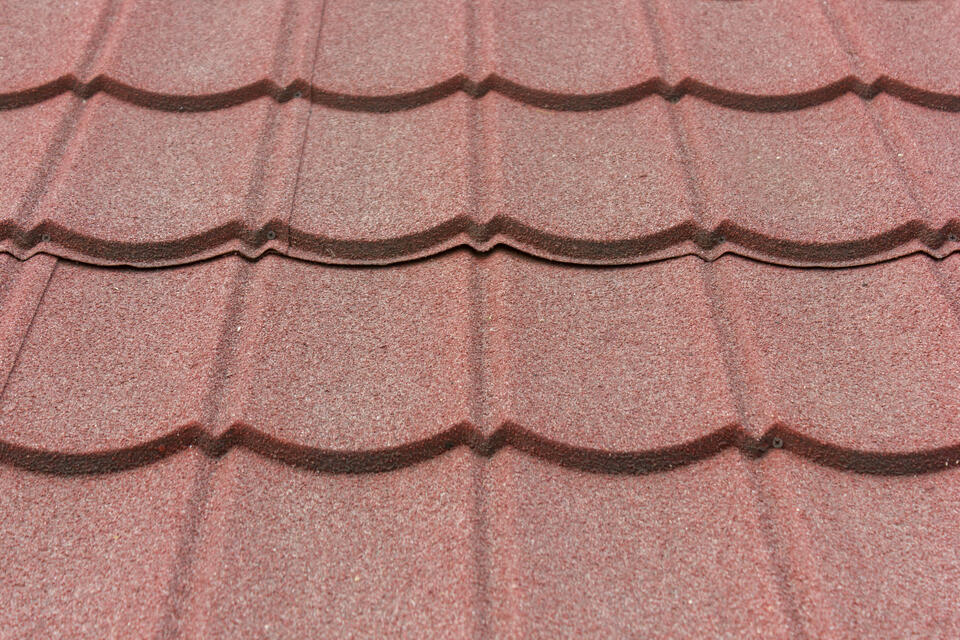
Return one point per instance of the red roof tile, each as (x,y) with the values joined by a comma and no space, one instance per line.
(103,368)
(590,185)
(567,48)
(676,359)
(30,70)
(751,51)
(645,549)
(372,48)
(832,349)
(157,181)
(397,372)
(373,184)
(866,556)
(94,556)
(187,48)
(817,182)
(476,153)
(397,558)
(926,65)
(530,332)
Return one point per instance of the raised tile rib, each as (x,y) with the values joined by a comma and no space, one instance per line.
(621,369)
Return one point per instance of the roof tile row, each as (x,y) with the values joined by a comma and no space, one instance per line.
(846,182)
(374,368)
(467,546)
(751,53)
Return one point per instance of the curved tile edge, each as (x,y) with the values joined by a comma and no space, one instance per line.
(400,101)
(681,240)
(591,460)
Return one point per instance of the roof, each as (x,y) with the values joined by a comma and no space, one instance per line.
(470,319)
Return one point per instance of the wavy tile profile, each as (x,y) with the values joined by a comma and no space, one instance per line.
(253,547)
(507,436)
(683,241)
(913,237)
(301,89)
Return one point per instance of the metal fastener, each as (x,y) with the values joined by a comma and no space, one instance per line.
(45,237)
(271,234)
(778,443)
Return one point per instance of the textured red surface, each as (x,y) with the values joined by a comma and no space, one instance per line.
(761,49)
(931,28)
(479,319)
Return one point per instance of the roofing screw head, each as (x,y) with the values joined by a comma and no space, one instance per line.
(952,237)
(45,237)
(778,443)
(297,94)
(271,234)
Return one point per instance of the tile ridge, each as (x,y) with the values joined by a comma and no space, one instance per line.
(20,306)
(214,406)
(66,130)
(739,351)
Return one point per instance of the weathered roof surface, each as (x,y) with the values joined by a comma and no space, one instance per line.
(480,319)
